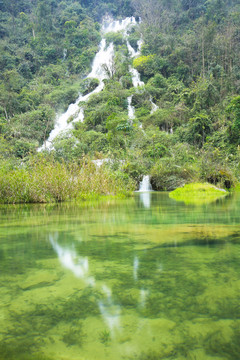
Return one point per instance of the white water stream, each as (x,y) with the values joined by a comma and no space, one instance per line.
(131,110)
(145,184)
(103,59)
(135,78)
(136,81)
(154,106)
(145,189)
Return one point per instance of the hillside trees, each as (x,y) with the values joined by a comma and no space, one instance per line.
(189,63)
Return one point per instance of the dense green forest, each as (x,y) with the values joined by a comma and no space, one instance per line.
(189,63)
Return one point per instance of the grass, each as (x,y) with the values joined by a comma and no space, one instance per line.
(48,181)
(197,193)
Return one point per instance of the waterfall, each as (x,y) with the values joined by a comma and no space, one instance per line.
(154,106)
(131,110)
(102,61)
(135,74)
(101,67)
(64,54)
(135,77)
(110,25)
(131,50)
(140,44)
(145,184)
(144,188)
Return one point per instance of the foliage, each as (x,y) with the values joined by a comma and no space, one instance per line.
(50,181)
(214,169)
(189,63)
(167,175)
(234,110)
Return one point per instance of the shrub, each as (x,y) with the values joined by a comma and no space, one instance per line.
(166,175)
(145,64)
(51,181)
(116,38)
(213,169)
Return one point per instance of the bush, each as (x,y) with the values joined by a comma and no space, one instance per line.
(116,38)
(23,148)
(35,124)
(166,175)
(50,181)
(214,169)
(145,64)
(88,85)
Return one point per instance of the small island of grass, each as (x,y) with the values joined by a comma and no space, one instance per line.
(197,193)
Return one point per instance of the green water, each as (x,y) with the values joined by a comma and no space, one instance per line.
(145,278)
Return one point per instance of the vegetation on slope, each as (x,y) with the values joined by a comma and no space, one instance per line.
(189,63)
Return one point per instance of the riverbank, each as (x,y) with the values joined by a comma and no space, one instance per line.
(48,181)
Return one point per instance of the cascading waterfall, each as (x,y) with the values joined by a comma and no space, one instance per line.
(104,58)
(135,74)
(110,25)
(136,80)
(131,50)
(131,110)
(154,106)
(102,61)
(145,189)
(135,77)
(64,54)
(145,184)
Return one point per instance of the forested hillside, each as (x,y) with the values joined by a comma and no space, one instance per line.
(189,63)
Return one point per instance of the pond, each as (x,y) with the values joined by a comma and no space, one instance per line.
(144,278)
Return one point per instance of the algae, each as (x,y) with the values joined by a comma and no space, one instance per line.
(165,287)
(105,336)
(197,193)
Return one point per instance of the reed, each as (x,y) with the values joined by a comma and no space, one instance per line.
(44,181)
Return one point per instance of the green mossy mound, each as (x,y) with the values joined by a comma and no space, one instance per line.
(197,193)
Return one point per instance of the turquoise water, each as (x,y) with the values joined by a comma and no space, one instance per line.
(145,278)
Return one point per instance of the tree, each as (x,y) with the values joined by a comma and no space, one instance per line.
(200,127)
(233,109)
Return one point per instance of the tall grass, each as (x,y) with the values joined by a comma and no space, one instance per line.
(44,181)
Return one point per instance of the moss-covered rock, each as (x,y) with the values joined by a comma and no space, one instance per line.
(197,193)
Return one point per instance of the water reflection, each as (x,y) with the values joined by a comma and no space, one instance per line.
(140,285)
(110,312)
(143,296)
(135,268)
(71,261)
(79,266)
(145,198)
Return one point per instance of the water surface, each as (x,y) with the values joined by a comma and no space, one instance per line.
(145,278)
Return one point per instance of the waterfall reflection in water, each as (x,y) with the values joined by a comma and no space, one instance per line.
(110,282)
(79,266)
(145,198)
